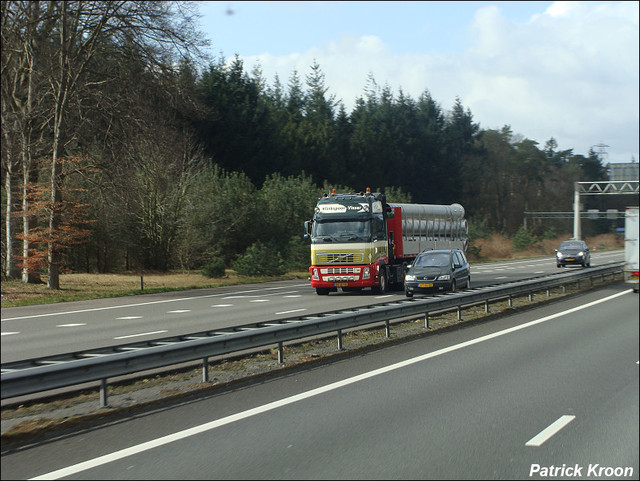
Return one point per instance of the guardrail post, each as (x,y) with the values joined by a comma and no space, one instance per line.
(510,301)
(103,393)
(339,340)
(486,306)
(205,369)
(426,320)
(459,312)
(387,329)
(530,296)
(280,353)
(548,292)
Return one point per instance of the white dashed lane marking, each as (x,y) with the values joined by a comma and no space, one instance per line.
(289,312)
(547,433)
(141,334)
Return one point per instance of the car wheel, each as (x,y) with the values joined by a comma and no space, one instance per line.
(408,294)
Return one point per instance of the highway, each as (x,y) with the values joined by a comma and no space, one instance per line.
(550,388)
(42,330)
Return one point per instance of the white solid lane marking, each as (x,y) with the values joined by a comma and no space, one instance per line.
(130,451)
(70,325)
(141,334)
(545,434)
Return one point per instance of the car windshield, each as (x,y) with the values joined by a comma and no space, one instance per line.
(432,259)
(571,245)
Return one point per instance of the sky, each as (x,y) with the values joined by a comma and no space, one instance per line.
(562,70)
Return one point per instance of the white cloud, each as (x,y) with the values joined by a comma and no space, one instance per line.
(569,73)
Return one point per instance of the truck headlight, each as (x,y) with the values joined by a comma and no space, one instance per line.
(366,273)
(315,275)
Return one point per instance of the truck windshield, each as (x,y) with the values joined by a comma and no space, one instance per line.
(342,230)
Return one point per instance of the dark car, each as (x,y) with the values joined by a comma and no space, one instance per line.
(437,270)
(573,252)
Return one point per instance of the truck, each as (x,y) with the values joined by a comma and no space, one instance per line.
(358,240)
(631,247)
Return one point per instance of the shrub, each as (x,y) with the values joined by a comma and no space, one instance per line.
(215,268)
(260,260)
(522,239)
(298,256)
(479,230)
(550,233)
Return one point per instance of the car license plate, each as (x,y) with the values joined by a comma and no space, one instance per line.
(571,259)
(425,284)
(342,284)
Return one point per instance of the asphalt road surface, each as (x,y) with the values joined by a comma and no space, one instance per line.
(35,331)
(521,397)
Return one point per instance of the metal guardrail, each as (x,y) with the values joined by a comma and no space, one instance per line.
(53,372)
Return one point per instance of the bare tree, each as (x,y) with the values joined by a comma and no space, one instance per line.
(77,34)
(24,25)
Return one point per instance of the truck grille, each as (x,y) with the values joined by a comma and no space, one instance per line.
(346,258)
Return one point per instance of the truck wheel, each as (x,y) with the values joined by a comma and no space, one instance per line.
(382,287)
(322,291)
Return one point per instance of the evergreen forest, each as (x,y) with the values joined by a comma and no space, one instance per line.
(124,147)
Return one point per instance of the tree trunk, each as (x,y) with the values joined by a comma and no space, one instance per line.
(11,269)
